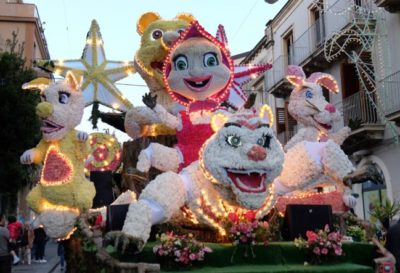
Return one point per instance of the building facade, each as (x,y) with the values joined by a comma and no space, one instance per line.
(23,20)
(355,41)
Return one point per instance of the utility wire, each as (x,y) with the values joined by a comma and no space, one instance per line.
(245,19)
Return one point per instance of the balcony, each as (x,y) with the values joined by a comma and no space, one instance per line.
(389,95)
(308,48)
(360,115)
(389,5)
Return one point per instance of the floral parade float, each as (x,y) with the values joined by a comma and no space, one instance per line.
(229,179)
(63,192)
(316,117)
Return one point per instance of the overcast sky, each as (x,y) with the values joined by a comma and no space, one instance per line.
(68,21)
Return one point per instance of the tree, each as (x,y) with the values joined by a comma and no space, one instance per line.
(19,124)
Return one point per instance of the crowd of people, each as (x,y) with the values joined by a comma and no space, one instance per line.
(22,244)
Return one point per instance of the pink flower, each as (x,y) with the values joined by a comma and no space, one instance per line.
(338,251)
(193,257)
(326,228)
(206,249)
(324,251)
(311,236)
(317,250)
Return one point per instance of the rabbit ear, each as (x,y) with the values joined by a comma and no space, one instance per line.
(73,79)
(325,80)
(296,75)
(39,84)
(266,115)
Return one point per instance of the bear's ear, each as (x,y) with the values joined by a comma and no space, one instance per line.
(74,80)
(38,84)
(266,115)
(185,17)
(217,121)
(145,20)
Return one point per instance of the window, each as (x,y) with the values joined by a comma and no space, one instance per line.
(288,47)
(318,20)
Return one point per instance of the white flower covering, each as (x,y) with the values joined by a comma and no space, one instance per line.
(165,117)
(138,116)
(155,155)
(335,161)
(57,224)
(168,191)
(127,197)
(138,221)
(299,169)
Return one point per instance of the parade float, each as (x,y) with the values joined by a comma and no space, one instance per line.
(225,176)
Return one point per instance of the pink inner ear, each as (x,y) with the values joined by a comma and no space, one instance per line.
(325,80)
(295,75)
(295,80)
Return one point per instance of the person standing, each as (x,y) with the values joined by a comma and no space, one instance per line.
(27,243)
(393,242)
(61,254)
(15,228)
(39,240)
(5,257)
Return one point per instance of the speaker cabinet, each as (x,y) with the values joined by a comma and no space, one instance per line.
(301,218)
(116,216)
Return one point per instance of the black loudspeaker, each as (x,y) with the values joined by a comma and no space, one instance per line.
(103,184)
(301,218)
(116,216)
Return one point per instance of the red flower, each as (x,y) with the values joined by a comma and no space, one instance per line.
(311,236)
(99,220)
(233,217)
(250,215)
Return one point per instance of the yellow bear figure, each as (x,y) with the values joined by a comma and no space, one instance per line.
(63,192)
(157,36)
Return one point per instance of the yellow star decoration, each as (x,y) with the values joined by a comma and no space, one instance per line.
(99,74)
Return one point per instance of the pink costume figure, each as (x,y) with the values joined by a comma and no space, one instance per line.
(198,74)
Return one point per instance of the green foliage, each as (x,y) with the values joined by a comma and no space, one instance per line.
(355,123)
(356,232)
(20,126)
(385,211)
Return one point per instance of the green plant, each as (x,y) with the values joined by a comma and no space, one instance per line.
(356,232)
(384,212)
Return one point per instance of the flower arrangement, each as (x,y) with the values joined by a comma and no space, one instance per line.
(321,244)
(356,232)
(243,228)
(180,249)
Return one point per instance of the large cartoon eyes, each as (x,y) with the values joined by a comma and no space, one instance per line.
(157,34)
(264,141)
(210,59)
(63,97)
(309,94)
(180,62)
(233,140)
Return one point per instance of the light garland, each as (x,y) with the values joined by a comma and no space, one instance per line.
(266,108)
(46,206)
(106,153)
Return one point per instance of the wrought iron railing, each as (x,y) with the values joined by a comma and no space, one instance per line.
(389,93)
(337,17)
(358,110)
